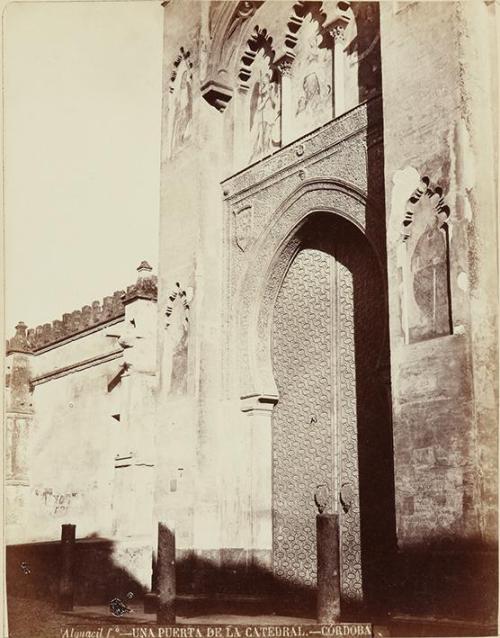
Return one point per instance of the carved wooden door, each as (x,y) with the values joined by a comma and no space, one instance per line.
(321,363)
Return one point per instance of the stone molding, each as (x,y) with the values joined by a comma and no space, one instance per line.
(282,190)
(426,291)
(184,297)
(183,56)
(277,250)
(77,367)
(259,40)
(233,18)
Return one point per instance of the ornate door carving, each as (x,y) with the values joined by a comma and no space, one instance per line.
(317,367)
(303,436)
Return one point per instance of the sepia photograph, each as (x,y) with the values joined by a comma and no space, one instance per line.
(251,318)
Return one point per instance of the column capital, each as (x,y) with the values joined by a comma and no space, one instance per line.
(337,28)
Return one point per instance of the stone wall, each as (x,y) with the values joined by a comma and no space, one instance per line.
(80,409)
(233,197)
(221,221)
(395,147)
(440,177)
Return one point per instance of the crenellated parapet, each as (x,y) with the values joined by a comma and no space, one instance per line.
(90,316)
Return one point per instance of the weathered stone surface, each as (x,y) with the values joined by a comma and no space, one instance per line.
(61,425)
(408,165)
(437,399)
(20,342)
(435,369)
(255,217)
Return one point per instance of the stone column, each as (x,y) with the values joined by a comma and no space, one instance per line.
(258,411)
(287,125)
(166,575)
(67,576)
(337,32)
(328,569)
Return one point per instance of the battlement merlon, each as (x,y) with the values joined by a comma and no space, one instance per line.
(146,286)
(31,340)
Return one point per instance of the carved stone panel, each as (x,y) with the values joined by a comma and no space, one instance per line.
(345,386)
(243,219)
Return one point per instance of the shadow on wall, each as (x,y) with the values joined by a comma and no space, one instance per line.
(459,583)
(221,581)
(33,571)
(448,579)
(231,581)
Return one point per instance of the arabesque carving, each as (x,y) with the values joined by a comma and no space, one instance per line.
(315,425)
(302,451)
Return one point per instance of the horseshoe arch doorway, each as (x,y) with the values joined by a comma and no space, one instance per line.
(332,423)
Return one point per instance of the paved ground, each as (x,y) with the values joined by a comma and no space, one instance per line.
(40,619)
(36,619)
(137,616)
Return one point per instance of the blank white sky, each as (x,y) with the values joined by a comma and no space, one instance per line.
(82,96)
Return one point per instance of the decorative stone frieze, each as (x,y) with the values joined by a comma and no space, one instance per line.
(311,148)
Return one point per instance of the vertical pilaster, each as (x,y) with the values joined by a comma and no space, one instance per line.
(19,414)
(135,457)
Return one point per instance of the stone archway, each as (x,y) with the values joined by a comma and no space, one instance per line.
(267,263)
(327,351)
(318,352)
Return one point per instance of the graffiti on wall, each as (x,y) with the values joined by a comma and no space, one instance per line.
(58,503)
